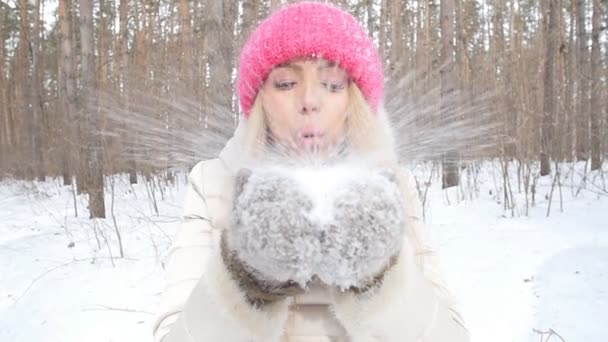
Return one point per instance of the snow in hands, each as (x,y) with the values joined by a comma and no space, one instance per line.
(340,223)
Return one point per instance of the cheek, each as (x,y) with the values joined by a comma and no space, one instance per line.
(277,102)
(339,110)
(335,123)
(277,121)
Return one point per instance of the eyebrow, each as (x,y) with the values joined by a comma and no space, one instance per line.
(289,65)
(327,65)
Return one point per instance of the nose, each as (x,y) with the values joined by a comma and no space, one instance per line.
(310,100)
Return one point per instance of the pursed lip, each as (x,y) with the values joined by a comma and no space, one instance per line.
(309,136)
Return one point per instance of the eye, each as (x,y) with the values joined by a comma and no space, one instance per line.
(333,87)
(284,85)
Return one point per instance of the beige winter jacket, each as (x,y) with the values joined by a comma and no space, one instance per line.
(202,303)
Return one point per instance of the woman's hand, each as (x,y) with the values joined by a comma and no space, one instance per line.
(260,290)
(365,236)
(278,242)
(268,246)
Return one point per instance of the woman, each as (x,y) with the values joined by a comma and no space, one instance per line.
(310,84)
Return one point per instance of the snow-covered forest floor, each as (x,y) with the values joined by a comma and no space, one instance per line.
(516,276)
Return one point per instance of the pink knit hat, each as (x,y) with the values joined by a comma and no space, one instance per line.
(310,29)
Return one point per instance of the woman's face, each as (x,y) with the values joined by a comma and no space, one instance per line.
(306,102)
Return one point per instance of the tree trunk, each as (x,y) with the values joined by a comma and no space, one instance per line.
(548,96)
(250,19)
(81,157)
(218,49)
(274,5)
(103,45)
(141,36)
(557,133)
(37,101)
(460,48)
(186,43)
(570,97)
(604,143)
(67,91)
(382,27)
(123,59)
(582,121)
(90,112)
(596,88)
(427,47)
(5,128)
(124,79)
(397,51)
(450,175)
(230,19)
(370,17)
(23,92)
(420,59)
(3,137)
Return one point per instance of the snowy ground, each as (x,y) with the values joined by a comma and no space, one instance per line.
(512,274)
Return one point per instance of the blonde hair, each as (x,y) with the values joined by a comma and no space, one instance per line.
(367,132)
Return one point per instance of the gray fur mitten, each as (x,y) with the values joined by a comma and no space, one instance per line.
(340,224)
(258,290)
(272,231)
(366,233)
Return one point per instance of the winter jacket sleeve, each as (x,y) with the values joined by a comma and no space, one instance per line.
(411,303)
(186,258)
(201,302)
